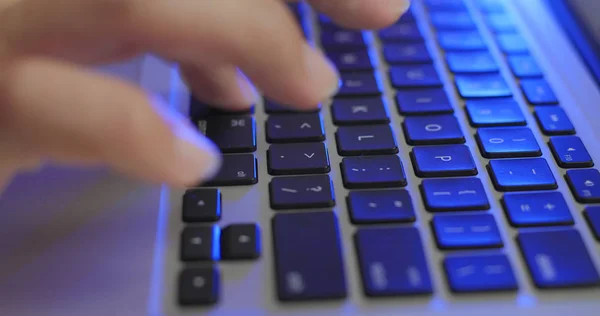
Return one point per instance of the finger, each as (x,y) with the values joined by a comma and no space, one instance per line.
(261,37)
(364,14)
(220,85)
(70,115)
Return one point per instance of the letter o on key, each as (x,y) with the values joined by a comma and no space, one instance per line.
(433,127)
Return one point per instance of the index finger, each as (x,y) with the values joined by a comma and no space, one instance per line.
(364,14)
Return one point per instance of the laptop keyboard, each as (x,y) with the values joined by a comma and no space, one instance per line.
(307,256)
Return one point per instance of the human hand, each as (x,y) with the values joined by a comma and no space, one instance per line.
(52,108)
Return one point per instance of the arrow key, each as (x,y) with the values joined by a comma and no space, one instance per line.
(294,128)
(240,241)
(304,158)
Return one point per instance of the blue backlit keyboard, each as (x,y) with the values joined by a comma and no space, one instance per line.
(394,149)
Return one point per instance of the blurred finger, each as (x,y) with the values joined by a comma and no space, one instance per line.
(364,14)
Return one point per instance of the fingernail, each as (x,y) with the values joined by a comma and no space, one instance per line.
(200,159)
(322,72)
(401,6)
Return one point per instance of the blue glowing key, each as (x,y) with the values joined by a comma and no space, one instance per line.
(350,60)
(365,140)
(537,209)
(592,214)
(585,184)
(524,66)
(444,20)
(466,231)
(538,91)
(423,101)
(373,172)
(471,62)
(558,259)
(432,130)
(507,142)
(553,120)
(460,194)
(359,84)
(415,76)
(359,111)
(405,31)
(480,273)
(443,161)
(522,174)
(406,53)
(461,41)
(482,86)
(570,152)
(335,38)
(380,206)
(392,262)
(500,23)
(494,112)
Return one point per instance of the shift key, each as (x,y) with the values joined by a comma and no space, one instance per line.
(308,266)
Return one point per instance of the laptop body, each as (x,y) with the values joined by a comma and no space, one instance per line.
(89,242)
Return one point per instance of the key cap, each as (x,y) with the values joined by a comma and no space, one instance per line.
(232,134)
(354,111)
(423,102)
(471,62)
(538,91)
(443,161)
(200,110)
(305,127)
(570,152)
(274,107)
(537,209)
(524,66)
(507,142)
(392,262)
(301,192)
(592,215)
(432,130)
(494,112)
(414,76)
(557,259)
(460,41)
(584,184)
(199,286)
(351,60)
(450,21)
(480,273)
(445,5)
(406,53)
(461,194)
(303,158)
(523,174)
(240,241)
(553,120)
(380,206)
(235,170)
(401,32)
(201,205)
(482,86)
(512,43)
(365,140)
(500,23)
(491,6)
(200,243)
(335,38)
(469,231)
(308,266)
(359,84)
(372,172)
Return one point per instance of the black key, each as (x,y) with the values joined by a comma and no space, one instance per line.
(423,101)
(432,130)
(538,91)
(335,37)
(415,76)
(359,84)
(356,59)
(199,110)
(570,152)
(200,243)
(443,161)
(522,174)
(380,206)
(512,43)
(301,192)
(407,31)
(507,142)
(240,241)
(201,205)
(308,266)
(232,134)
(199,286)
(482,86)
(373,172)
(235,170)
(392,261)
(494,112)
(302,158)
(584,184)
(285,128)
(359,111)
(406,53)
(274,107)
(553,120)
(365,140)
